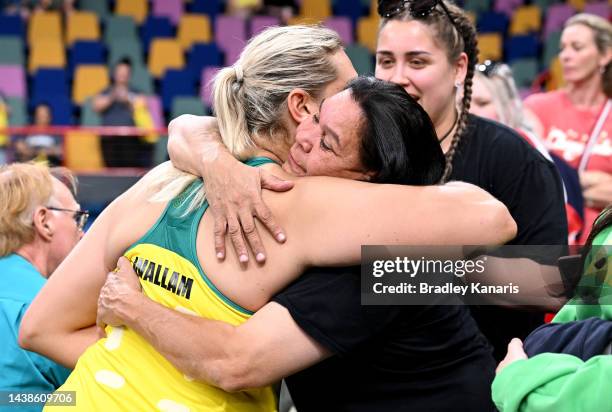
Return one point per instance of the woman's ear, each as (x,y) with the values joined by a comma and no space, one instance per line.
(300,104)
(461,65)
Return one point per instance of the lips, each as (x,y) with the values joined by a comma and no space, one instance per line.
(294,166)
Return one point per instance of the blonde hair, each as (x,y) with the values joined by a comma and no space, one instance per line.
(250,97)
(602,36)
(23,187)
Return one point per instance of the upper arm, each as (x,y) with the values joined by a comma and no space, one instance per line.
(337,216)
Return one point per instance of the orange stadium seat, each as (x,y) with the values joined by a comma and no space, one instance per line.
(490,46)
(525,20)
(82,151)
(579,4)
(367,31)
(316,9)
(44,26)
(556,75)
(165,54)
(89,80)
(137,9)
(82,25)
(47,53)
(193,28)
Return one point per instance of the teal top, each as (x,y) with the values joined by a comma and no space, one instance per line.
(22,370)
(177,230)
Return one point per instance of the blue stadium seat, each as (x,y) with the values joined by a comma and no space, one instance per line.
(350,8)
(48,83)
(61,108)
(176,83)
(492,22)
(155,27)
(517,47)
(86,52)
(210,7)
(12,25)
(201,56)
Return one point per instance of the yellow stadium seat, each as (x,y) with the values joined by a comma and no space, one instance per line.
(82,25)
(472,16)
(82,151)
(367,31)
(165,54)
(578,4)
(373,8)
(526,19)
(292,21)
(316,9)
(47,53)
(44,26)
(137,9)
(193,28)
(490,46)
(89,80)
(556,80)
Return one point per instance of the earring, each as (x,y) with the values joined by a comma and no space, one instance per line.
(458,84)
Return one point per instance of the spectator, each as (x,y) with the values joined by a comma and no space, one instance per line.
(40,222)
(575,121)
(40,146)
(116,106)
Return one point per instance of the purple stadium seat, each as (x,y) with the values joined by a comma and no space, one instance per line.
(259,23)
(556,16)
(12,81)
(230,30)
(524,92)
(173,9)
(155,108)
(601,8)
(206,87)
(343,26)
(232,52)
(507,6)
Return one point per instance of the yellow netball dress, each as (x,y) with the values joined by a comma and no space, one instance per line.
(123,371)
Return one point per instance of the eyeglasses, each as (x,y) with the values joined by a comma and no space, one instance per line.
(417,8)
(80,216)
(488,67)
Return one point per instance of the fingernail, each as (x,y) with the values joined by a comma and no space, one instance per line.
(243,258)
(220,255)
(281,237)
(260,257)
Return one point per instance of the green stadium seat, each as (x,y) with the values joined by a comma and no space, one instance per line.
(89,117)
(361,58)
(477,6)
(141,79)
(524,71)
(18,116)
(187,105)
(100,7)
(12,50)
(120,48)
(551,48)
(120,28)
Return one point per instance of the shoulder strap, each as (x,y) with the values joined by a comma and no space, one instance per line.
(588,150)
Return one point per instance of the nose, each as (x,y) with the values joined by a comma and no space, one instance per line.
(306,140)
(398,76)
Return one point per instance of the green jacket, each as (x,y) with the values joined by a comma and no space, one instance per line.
(555,382)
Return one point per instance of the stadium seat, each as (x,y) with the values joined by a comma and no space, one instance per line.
(165,54)
(259,23)
(155,108)
(343,26)
(477,6)
(526,20)
(12,50)
(12,81)
(210,7)
(524,71)
(367,32)
(155,27)
(137,9)
(352,9)
(201,56)
(44,26)
(47,53)
(362,59)
(316,9)
(601,9)
(141,79)
(490,46)
(207,76)
(61,108)
(193,28)
(128,48)
(18,115)
(47,83)
(187,105)
(551,48)
(578,5)
(89,80)
(176,83)
(89,117)
(11,25)
(82,25)
(82,151)
(506,6)
(120,28)
(85,52)
(556,16)
(172,9)
(544,4)
(99,7)
(230,30)
(492,22)
(517,47)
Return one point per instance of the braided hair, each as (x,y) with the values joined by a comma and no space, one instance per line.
(456,38)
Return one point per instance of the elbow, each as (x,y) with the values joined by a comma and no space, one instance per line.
(29,335)
(506,228)
(241,372)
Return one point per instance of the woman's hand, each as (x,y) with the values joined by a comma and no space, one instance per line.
(515,352)
(596,188)
(120,292)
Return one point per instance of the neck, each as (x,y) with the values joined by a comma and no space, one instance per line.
(446,125)
(37,256)
(587,94)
